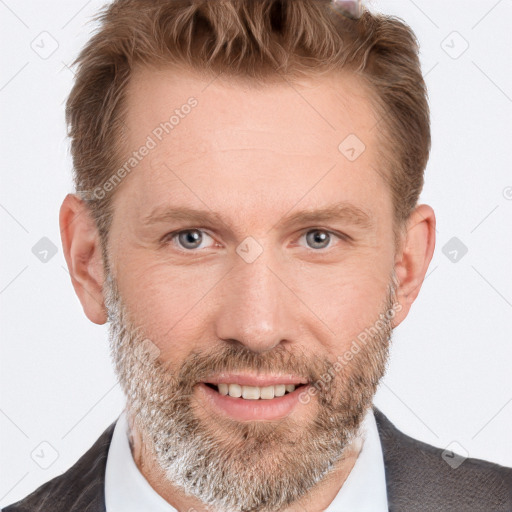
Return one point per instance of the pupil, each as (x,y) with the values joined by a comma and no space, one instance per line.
(320,237)
(191,237)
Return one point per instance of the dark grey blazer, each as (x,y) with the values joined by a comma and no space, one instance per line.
(417,479)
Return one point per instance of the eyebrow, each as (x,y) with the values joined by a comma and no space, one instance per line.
(342,211)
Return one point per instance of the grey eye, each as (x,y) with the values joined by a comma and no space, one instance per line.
(318,239)
(190,239)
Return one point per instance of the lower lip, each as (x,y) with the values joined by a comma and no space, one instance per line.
(250,410)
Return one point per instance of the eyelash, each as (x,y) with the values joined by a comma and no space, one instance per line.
(169,237)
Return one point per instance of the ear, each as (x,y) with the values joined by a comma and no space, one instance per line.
(82,250)
(413,257)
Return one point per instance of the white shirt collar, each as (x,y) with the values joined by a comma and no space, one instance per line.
(364,489)
(127,490)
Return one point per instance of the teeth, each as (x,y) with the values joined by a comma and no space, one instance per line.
(267,392)
(279,390)
(223,389)
(250,392)
(235,390)
(255,392)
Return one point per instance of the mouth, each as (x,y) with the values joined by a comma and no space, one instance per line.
(245,401)
(246,392)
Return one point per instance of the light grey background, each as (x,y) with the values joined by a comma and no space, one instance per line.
(449,381)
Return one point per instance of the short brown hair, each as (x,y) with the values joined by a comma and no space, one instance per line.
(255,39)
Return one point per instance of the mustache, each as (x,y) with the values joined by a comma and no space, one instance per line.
(200,366)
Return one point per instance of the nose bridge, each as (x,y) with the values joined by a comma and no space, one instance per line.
(252,306)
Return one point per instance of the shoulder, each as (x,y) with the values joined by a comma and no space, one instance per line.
(423,477)
(79,489)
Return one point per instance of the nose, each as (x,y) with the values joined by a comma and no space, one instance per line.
(255,307)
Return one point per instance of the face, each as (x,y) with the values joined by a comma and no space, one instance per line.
(272,283)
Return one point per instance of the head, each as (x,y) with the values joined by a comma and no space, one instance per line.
(247,178)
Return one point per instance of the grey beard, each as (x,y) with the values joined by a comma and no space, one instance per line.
(241,466)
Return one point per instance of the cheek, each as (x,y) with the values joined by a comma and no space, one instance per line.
(169,303)
(346,299)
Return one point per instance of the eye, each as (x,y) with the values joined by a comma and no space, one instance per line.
(321,238)
(192,239)
(188,239)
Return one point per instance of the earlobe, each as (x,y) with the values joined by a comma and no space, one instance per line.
(413,259)
(82,250)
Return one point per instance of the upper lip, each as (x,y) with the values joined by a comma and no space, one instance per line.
(246,379)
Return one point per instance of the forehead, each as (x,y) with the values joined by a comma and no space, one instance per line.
(268,143)
(322,109)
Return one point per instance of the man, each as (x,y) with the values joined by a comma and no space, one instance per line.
(246,219)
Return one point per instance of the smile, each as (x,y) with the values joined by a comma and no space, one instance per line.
(250,403)
(253,392)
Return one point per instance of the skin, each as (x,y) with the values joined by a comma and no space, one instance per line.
(253,156)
